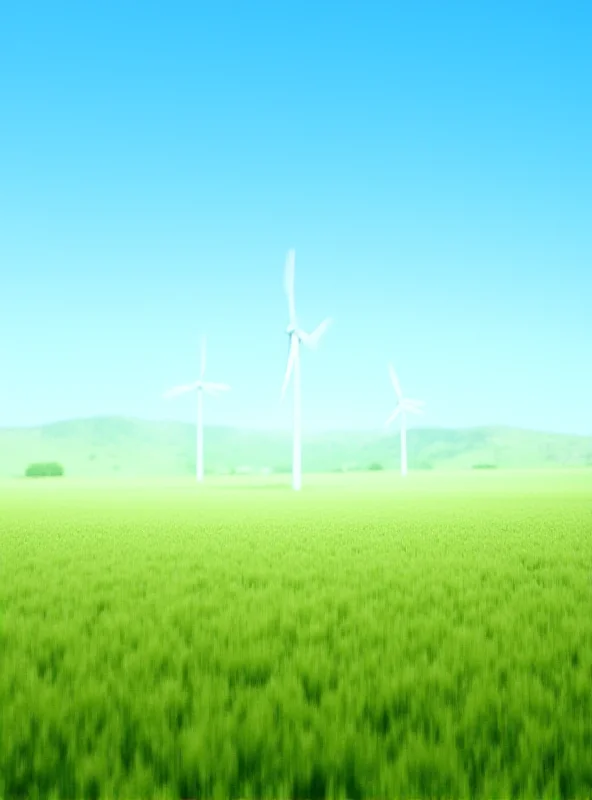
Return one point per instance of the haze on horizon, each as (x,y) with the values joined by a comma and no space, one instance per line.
(429,163)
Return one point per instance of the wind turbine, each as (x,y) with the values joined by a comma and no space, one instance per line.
(404,405)
(201,386)
(296,336)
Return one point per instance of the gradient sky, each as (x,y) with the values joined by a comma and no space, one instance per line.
(430,162)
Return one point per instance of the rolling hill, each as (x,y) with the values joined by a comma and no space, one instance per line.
(111,446)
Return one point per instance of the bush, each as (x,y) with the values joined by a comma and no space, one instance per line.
(375,466)
(484,466)
(50,469)
(282,469)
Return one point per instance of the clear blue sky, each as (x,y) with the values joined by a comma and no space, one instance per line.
(430,162)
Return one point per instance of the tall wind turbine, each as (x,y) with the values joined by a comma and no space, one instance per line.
(403,406)
(201,386)
(296,336)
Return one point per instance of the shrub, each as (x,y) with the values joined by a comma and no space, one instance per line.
(50,469)
(282,469)
(375,466)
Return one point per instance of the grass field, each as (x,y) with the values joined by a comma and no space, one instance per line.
(369,637)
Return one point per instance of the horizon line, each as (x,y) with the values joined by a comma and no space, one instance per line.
(256,429)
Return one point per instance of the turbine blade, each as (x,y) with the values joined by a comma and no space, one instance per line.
(413,409)
(203,356)
(395,382)
(416,406)
(289,285)
(179,390)
(289,366)
(214,388)
(393,416)
(312,339)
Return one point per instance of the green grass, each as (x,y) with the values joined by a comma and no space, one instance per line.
(370,637)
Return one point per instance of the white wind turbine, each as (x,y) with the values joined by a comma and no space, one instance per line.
(201,386)
(297,335)
(404,405)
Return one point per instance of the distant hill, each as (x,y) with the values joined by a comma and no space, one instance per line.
(110,446)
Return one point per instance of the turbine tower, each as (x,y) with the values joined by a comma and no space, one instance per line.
(201,386)
(296,336)
(404,405)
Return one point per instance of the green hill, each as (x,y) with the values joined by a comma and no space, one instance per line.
(113,446)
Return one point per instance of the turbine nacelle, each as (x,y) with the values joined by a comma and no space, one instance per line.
(405,404)
(309,339)
(199,385)
(296,336)
(211,388)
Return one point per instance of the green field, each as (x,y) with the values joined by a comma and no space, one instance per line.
(369,637)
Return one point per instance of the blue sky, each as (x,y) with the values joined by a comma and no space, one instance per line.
(430,163)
